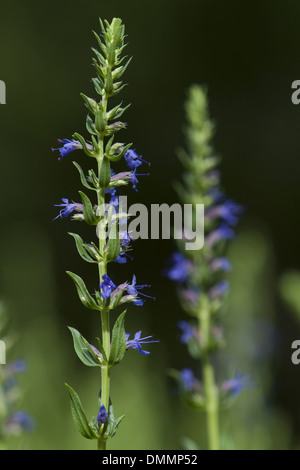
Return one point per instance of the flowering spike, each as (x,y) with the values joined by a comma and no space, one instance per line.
(103,213)
(200,274)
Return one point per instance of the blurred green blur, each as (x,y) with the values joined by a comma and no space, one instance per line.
(246,53)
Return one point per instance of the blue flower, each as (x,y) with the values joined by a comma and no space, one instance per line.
(220,264)
(133,178)
(188,379)
(124,242)
(107,286)
(124,238)
(223,232)
(69,146)
(122,258)
(133,160)
(219,289)
(102,415)
(187,331)
(133,290)
(137,342)
(236,385)
(114,198)
(19,421)
(68,208)
(229,212)
(180,269)
(19,366)
(190,295)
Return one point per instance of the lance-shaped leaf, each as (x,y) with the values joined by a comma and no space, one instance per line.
(83,177)
(118,72)
(100,121)
(88,211)
(112,422)
(118,341)
(105,174)
(109,84)
(87,150)
(115,158)
(87,255)
(79,415)
(90,104)
(113,246)
(84,350)
(83,293)
(98,87)
(90,125)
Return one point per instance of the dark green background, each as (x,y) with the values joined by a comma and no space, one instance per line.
(247,53)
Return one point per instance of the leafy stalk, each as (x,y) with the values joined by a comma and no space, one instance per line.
(201,273)
(104,215)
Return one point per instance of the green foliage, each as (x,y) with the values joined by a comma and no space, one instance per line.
(83,293)
(79,416)
(84,350)
(289,286)
(118,342)
(101,123)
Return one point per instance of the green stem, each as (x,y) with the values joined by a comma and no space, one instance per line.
(102,267)
(210,389)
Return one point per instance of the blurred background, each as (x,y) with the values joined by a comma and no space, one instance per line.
(247,55)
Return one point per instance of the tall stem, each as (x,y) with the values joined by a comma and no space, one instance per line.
(102,267)
(210,389)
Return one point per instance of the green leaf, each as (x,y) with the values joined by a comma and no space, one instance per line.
(112,423)
(86,150)
(88,212)
(83,177)
(90,104)
(90,125)
(113,245)
(118,341)
(83,293)
(79,415)
(115,158)
(109,85)
(105,174)
(97,84)
(117,73)
(100,121)
(83,350)
(189,444)
(109,144)
(88,256)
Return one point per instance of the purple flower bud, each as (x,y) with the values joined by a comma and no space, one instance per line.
(102,415)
